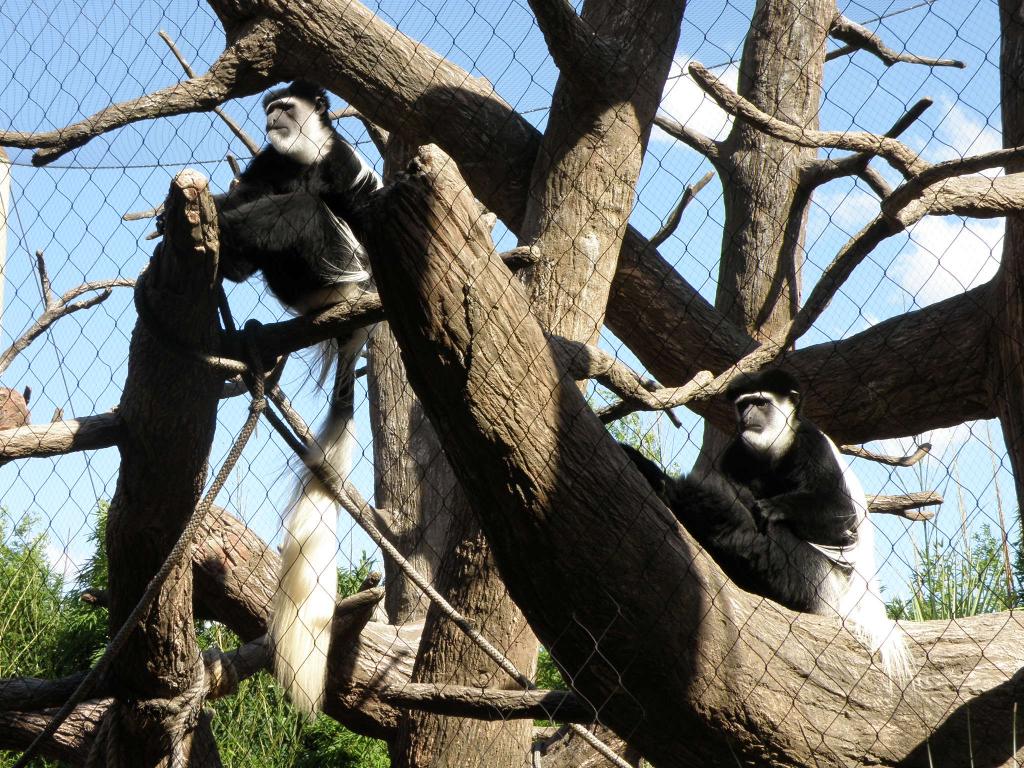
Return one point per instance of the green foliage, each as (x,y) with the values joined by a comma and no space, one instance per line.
(326,742)
(30,600)
(350,579)
(948,583)
(257,728)
(548,675)
(635,429)
(81,633)
(49,633)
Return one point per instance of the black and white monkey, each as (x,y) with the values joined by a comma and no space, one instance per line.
(288,217)
(785,517)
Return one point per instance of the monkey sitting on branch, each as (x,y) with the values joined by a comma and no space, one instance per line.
(785,516)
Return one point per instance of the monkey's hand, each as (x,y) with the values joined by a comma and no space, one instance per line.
(764,512)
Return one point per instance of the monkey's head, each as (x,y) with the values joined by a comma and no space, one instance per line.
(767,407)
(297,121)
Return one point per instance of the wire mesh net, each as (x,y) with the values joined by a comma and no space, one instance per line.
(768,222)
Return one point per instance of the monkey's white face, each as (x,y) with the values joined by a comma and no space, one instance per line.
(766,422)
(294,129)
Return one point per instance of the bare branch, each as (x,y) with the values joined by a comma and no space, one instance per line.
(44,281)
(247,66)
(229,121)
(377,135)
(898,154)
(823,170)
(60,437)
(585,361)
(907,505)
(893,461)
(852,254)
(676,216)
(56,309)
(142,215)
(876,181)
(858,37)
(693,139)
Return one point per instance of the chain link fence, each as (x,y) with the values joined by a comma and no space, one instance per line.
(75,234)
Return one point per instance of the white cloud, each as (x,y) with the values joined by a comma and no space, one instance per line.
(684,101)
(961,133)
(848,209)
(946,256)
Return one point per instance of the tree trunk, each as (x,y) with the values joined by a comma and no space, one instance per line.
(1007,378)
(434,528)
(403,460)
(646,625)
(168,410)
(765,207)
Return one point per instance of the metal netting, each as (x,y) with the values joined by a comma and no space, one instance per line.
(881,274)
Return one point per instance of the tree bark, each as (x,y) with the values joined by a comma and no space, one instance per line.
(585,172)
(168,411)
(644,622)
(1007,376)
(403,457)
(443,534)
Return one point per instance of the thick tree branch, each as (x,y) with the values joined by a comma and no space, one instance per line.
(695,140)
(70,743)
(229,121)
(59,437)
(869,386)
(858,37)
(580,54)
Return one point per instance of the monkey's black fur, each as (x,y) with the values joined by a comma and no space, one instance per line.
(282,216)
(290,215)
(759,516)
(291,220)
(804,488)
(769,560)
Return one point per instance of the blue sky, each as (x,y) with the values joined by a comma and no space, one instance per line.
(61,61)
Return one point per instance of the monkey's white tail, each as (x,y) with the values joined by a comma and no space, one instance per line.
(303,605)
(859,600)
(864,611)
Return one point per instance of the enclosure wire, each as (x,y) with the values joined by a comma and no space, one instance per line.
(178,554)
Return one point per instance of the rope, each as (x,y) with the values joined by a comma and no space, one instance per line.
(189,712)
(165,336)
(362,513)
(182,549)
